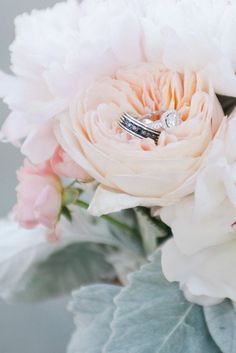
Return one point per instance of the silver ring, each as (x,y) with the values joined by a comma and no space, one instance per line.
(147,128)
(136,128)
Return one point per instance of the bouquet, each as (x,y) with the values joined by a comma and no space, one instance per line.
(124,112)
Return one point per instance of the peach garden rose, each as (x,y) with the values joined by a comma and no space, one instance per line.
(132,171)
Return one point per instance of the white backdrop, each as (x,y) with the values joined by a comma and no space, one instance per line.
(37,328)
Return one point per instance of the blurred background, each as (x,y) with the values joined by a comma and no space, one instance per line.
(33,328)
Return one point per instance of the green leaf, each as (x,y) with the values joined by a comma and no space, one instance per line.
(70,195)
(65,270)
(221,321)
(66,213)
(93,308)
(150,229)
(152,316)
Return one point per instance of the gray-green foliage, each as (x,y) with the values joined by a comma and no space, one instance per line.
(87,228)
(93,307)
(80,256)
(221,321)
(150,230)
(150,316)
(65,270)
(89,250)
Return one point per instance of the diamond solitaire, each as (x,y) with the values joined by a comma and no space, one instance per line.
(168,120)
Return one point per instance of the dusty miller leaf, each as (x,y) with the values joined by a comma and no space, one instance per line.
(152,316)
(65,270)
(149,315)
(221,321)
(93,308)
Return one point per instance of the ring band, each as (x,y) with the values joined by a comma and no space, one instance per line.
(136,128)
(147,128)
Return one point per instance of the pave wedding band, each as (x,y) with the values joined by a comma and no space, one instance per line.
(137,128)
(147,128)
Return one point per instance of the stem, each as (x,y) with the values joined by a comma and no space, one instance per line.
(108,218)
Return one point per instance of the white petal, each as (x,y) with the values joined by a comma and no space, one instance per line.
(40,144)
(193,232)
(107,201)
(206,277)
(199,299)
(125,38)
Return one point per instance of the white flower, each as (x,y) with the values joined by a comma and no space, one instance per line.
(201,256)
(58,52)
(206,277)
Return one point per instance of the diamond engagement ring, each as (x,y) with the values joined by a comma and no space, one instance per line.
(147,128)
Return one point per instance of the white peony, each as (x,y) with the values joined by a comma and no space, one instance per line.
(58,52)
(201,256)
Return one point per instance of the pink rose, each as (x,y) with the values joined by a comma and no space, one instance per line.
(133,171)
(39,196)
(64,166)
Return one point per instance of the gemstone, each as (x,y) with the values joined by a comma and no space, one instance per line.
(170,119)
(156,125)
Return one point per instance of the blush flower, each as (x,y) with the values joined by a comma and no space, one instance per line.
(134,171)
(64,166)
(39,196)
